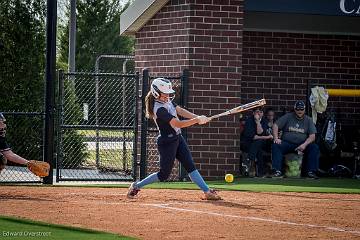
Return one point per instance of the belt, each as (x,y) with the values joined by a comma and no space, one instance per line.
(170,135)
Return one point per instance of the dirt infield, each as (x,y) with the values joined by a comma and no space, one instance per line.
(180,214)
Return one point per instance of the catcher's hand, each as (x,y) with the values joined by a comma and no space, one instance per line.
(39,168)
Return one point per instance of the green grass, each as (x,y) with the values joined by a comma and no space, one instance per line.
(107,133)
(110,158)
(13,228)
(323,185)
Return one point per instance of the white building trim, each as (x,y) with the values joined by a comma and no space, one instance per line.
(137,14)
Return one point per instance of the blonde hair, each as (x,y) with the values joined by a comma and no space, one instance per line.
(149,105)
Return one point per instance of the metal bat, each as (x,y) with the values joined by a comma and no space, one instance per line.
(241,108)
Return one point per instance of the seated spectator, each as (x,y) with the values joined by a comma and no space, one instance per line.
(270,119)
(254,139)
(298,135)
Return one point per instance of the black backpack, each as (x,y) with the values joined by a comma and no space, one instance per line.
(328,133)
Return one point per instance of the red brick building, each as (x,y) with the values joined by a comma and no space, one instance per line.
(238,51)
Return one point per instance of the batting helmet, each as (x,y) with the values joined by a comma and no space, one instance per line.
(2,118)
(161,85)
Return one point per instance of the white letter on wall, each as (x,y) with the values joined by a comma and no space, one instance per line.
(342,7)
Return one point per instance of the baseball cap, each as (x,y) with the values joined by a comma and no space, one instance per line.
(299,105)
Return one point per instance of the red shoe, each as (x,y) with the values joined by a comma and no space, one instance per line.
(211,195)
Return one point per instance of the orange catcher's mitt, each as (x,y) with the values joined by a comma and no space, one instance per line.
(39,168)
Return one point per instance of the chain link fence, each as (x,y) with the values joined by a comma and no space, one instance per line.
(96,130)
(96,127)
(24,134)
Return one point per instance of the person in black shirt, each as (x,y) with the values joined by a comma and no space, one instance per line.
(254,139)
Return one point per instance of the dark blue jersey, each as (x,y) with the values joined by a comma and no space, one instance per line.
(163,114)
(250,129)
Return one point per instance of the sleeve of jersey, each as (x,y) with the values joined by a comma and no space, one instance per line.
(164,115)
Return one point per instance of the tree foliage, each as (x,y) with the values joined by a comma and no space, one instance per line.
(22,54)
(22,63)
(98,24)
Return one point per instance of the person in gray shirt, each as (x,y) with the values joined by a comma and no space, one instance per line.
(298,135)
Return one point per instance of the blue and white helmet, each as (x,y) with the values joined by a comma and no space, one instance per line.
(161,85)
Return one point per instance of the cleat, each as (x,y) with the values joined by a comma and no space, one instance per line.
(133,190)
(211,195)
(278,174)
(312,175)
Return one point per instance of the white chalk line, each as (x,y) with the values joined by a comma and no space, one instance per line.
(336,229)
(93,194)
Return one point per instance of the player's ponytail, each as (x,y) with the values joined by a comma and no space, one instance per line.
(149,105)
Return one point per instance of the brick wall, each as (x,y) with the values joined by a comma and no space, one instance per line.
(204,36)
(277,66)
(162,45)
(215,73)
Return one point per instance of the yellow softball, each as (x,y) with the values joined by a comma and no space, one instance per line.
(229,178)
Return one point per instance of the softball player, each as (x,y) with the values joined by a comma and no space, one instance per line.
(170,142)
(5,150)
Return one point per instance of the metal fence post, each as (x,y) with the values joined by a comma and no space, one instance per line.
(50,75)
(136,127)
(123,123)
(184,102)
(185,87)
(97,150)
(60,120)
(144,124)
